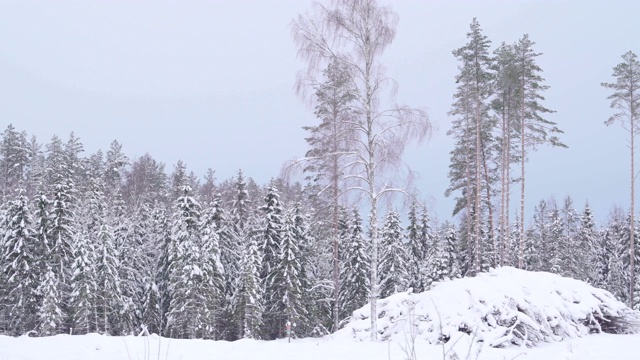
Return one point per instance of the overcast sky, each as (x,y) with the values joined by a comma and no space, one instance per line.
(211,82)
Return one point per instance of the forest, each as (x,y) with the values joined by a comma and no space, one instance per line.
(115,245)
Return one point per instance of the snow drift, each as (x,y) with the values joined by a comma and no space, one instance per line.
(503,307)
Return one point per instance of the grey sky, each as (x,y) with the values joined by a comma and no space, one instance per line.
(211,82)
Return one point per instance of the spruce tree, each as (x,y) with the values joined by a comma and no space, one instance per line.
(354,292)
(20,255)
(271,249)
(248,300)
(393,263)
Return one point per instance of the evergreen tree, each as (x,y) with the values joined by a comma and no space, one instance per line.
(51,318)
(393,263)
(82,303)
(470,169)
(249,296)
(108,282)
(271,249)
(188,315)
(354,277)
(418,251)
(533,128)
(287,281)
(20,253)
(626,100)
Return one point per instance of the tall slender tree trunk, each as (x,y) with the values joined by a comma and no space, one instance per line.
(336,254)
(489,205)
(477,213)
(522,161)
(632,251)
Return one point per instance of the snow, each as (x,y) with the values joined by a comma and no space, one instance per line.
(555,309)
(99,347)
(503,307)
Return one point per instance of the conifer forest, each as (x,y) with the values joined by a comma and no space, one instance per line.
(107,243)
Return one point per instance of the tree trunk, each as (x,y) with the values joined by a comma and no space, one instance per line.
(632,252)
(522,161)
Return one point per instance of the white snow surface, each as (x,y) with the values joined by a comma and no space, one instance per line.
(100,347)
(548,305)
(503,307)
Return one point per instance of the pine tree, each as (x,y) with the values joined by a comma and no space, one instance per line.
(51,318)
(108,281)
(588,249)
(82,302)
(248,300)
(418,251)
(393,263)
(20,254)
(213,272)
(626,100)
(354,277)
(271,248)
(14,161)
(470,169)
(533,128)
(188,311)
(286,281)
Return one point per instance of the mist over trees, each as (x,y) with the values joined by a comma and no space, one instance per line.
(115,245)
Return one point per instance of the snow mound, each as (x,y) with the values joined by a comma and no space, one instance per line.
(503,307)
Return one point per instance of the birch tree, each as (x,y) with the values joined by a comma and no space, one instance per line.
(357,32)
(626,102)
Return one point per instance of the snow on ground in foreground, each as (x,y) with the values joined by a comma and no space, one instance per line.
(552,311)
(99,347)
(504,307)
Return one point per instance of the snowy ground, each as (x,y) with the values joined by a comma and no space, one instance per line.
(98,347)
(551,315)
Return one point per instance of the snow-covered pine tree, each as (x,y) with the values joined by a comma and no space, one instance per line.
(233,237)
(127,253)
(587,252)
(445,263)
(418,251)
(393,268)
(50,316)
(14,161)
(212,270)
(248,299)
(538,235)
(188,314)
(354,277)
(286,300)
(556,244)
(108,282)
(82,300)
(272,241)
(617,245)
(145,262)
(20,255)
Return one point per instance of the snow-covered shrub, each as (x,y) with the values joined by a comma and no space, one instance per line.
(503,307)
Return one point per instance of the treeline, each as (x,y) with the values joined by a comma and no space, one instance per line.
(104,244)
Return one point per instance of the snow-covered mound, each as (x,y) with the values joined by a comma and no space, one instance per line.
(503,307)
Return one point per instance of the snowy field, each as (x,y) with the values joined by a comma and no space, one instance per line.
(501,315)
(98,347)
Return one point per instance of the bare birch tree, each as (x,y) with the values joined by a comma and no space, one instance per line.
(357,32)
(626,101)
